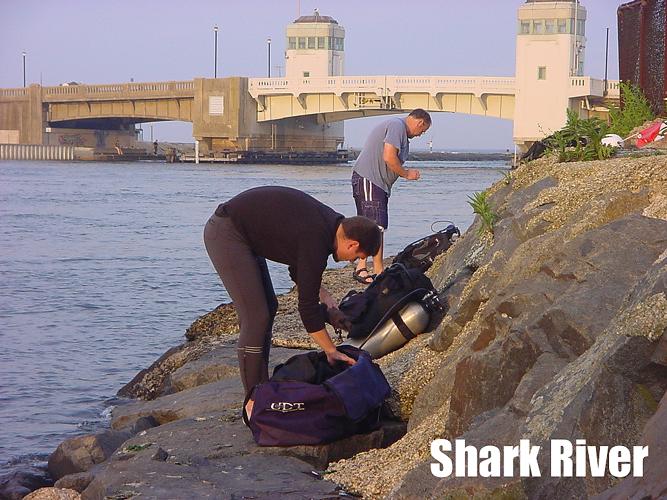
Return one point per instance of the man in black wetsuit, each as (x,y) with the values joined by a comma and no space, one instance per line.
(287,226)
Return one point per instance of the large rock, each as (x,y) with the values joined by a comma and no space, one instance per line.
(19,483)
(216,456)
(215,365)
(199,401)
(77,482)
(219,363)
(54,494)
(604,396)
(79,454)
(653,484)
(556,334)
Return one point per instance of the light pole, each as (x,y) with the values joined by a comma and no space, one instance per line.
(215,70)
(268,48)
(23,54)
(606,63)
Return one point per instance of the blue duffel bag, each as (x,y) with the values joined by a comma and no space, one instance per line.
(309,402)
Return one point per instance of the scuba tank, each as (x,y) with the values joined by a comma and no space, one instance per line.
(398,326)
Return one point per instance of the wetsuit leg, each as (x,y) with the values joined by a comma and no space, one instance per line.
(246,280)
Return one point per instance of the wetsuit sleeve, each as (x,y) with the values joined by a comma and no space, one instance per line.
(311,263)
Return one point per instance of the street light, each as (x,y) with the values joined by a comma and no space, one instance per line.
(606,64)
(215,71)
(24,54)
(268,48)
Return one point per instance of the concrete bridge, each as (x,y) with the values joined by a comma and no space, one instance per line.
(255,113)
(305,111)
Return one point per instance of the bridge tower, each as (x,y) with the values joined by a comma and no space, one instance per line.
(550,43)
(315,47)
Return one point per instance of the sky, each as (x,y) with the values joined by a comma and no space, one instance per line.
(91,41)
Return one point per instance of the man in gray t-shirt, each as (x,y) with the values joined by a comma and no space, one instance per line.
(378,166)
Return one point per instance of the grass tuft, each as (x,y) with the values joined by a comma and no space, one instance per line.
(481,206)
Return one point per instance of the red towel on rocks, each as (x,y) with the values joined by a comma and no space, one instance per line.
(648,134)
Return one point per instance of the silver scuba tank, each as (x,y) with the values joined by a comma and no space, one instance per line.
(401,327)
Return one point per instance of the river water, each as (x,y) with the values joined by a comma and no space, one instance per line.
(102,268)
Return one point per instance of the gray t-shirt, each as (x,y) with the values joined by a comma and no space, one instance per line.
(370,163)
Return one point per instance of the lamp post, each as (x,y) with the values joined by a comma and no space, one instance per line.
(215,70)
(268,48)
(23,54)
(606,64)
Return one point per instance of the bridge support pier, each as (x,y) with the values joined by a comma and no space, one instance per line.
(225,120)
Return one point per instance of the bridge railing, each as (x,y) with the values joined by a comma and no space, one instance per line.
(20,92)
(113,91)
(382,85)
(581,86)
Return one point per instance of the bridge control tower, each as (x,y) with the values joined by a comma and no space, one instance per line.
(550,46)
(315,47)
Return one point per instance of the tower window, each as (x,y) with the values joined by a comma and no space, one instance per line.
(581,27)
(562,26)
(302,42)
(306,74)
(549,26)
(525,28)
(538,27)
(291,41)
(311,42)
(321,42)
(542,73)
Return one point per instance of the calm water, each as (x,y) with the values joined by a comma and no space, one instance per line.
(102,268)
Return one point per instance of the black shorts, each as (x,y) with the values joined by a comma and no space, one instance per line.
(371,201)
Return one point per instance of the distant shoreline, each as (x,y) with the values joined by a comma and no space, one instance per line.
(448,156)
(413,156)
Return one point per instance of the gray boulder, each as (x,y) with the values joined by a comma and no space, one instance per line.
(79,454)
(18,484)
(216,456)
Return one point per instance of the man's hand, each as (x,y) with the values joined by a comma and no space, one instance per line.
(334,356)
(323,340)
(337,319)
(412,174)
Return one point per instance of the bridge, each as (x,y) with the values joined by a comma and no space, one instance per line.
(305,111)
(250,113)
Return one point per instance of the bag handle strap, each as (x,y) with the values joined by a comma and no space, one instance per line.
(402,327)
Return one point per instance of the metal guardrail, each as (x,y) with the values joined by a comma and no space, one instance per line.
(36,152)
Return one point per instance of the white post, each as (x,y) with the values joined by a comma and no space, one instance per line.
(196,151)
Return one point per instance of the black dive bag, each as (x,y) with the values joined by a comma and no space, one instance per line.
(395,286)
(420,254)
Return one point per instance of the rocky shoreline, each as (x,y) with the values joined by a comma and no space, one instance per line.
(555,330)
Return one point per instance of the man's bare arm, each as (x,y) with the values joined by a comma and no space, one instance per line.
(390,157)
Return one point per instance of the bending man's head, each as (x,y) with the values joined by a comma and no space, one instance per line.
(357,237)
(417,122)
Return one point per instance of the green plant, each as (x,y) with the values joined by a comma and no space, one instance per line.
(481,206)
(636,110)
(580,140)
(137,447)
(594,130)
(507,177)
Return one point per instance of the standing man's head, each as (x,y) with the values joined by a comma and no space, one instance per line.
(356,237)
(417,122)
